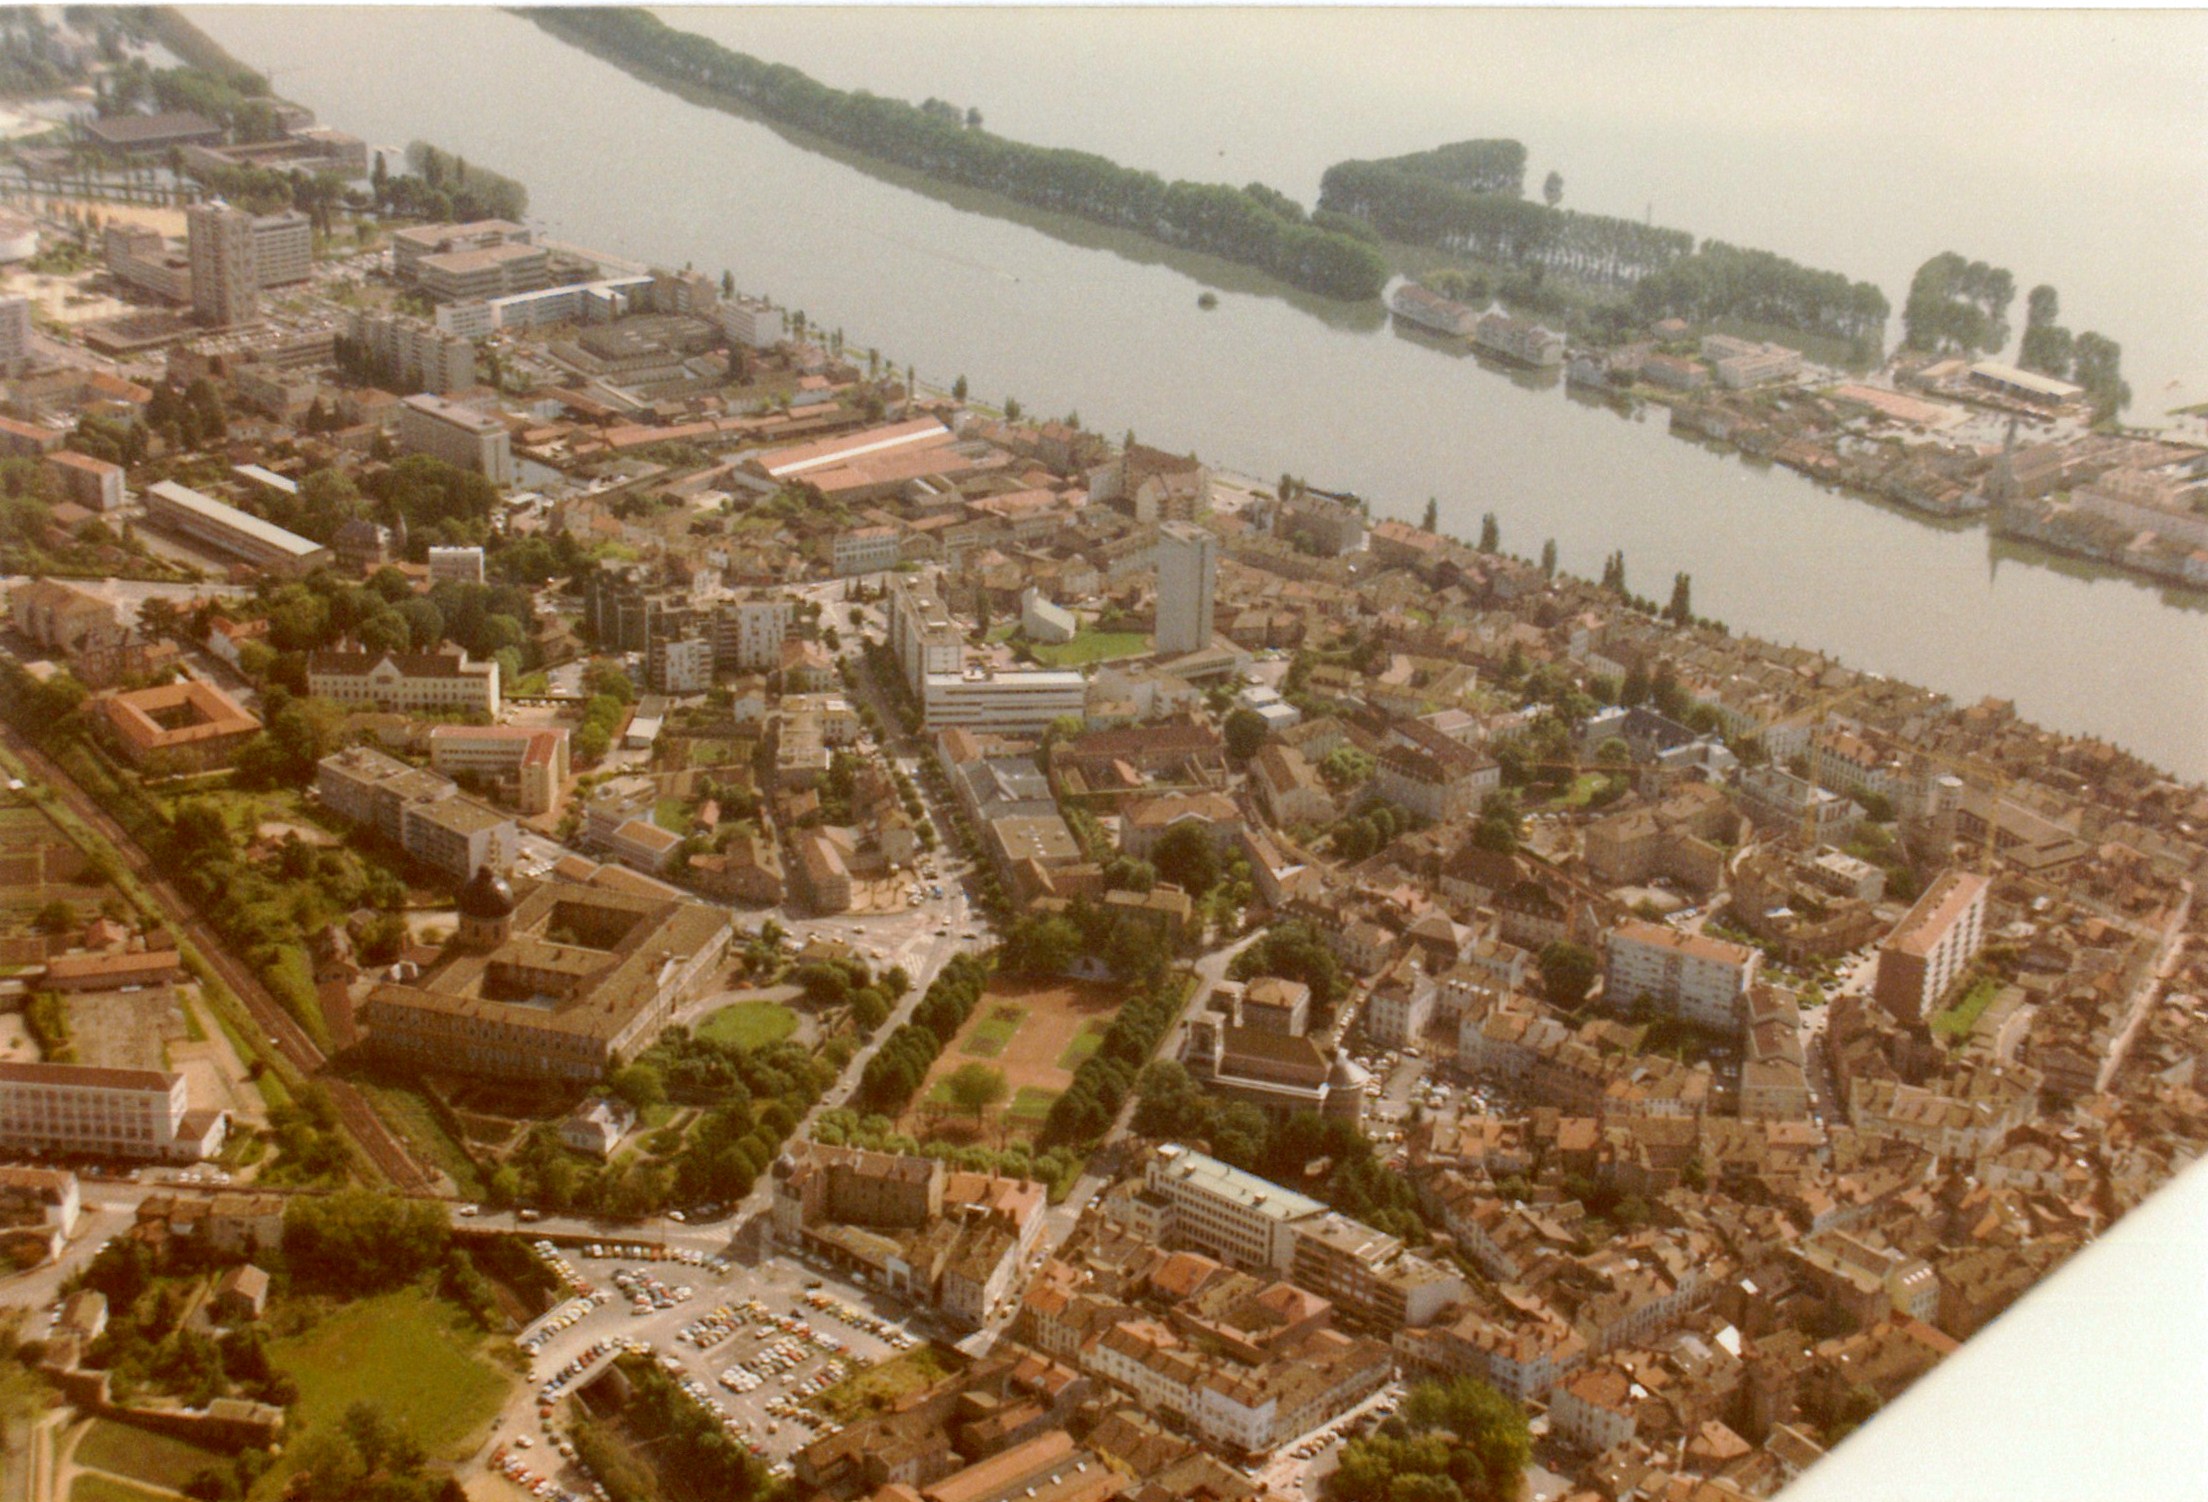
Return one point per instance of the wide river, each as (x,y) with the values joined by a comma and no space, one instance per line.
(2066,146)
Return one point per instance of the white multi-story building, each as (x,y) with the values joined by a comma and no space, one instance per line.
(866,550)
(107,1113)
(1775,798)
(679,666)
(750,321)
(1933,945)
(1594,1410)
(461,436)
(1741,363)
(220,242)
(1188,566)
(423,813)
(1224,1212)
(1006,703)
(456,565)
(923,633)
(459,836)
(1399,1008)
(748,632)
(1697,979)
(421,354)
(283,249)
(533,762)
(406,680)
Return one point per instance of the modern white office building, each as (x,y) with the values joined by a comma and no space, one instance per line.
(106,1113)
(1224,1212)
(461,436)
(1006,703)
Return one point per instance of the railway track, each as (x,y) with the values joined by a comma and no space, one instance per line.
(281,1030)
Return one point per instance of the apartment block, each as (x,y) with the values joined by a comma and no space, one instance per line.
(1697,979)
(421,812)
(748,633)
(418,353)
(679,665)
(92,483)
(922,633)
(1933,945)
(1188,567)
(461,436)
(225,285)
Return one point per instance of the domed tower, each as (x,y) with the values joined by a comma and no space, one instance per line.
(1345,1089)
(486,910)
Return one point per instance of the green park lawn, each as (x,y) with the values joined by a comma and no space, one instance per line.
(1957,1020)
(143,1455)
(413,1357)
(1091,646)
(749,1024)
(1085,1043)
(1030,1106)
(989,1037)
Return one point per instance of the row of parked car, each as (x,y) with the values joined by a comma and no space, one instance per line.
(859,1319)
(621,1252)
(565,1317)
(564,1270)
(568,1375)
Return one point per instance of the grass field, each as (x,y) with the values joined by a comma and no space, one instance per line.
(885,1382)
(1084,1045)
(410,1355)
(142,1455)
(1030,1106)
(749,1024)
(108,1489)
(1058,1023)
(1092,646)
(988,1037)
(1957,1021)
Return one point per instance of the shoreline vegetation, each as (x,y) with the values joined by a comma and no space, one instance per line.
(1253,225)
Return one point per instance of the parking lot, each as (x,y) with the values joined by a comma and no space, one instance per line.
(750,1344)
